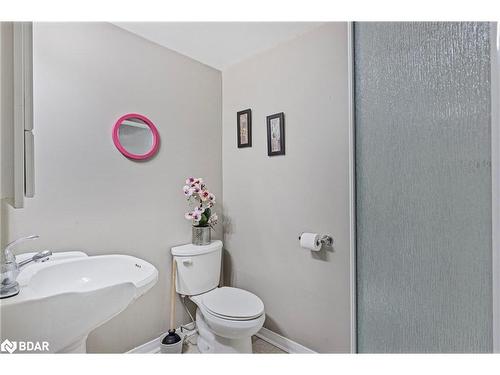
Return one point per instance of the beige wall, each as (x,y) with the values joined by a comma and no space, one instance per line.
(6,121)
(88,196)
(269,201)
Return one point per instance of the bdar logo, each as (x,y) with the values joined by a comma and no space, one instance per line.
(8,346)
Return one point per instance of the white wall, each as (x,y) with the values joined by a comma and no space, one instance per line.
(91,198)
(269,201)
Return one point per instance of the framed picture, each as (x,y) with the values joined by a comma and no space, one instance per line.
(276,134)
(245,128)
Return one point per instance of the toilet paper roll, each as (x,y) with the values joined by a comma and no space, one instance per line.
(310,241)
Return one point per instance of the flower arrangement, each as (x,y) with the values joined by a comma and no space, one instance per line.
(200,202)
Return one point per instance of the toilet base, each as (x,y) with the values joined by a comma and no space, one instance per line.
(209,342)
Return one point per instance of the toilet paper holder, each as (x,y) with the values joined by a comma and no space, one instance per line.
(324,240)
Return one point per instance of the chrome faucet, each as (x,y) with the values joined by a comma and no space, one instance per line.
(9,268)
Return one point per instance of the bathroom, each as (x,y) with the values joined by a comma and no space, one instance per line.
(349,170)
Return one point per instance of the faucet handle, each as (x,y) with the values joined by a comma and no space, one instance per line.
(41,256)
(9,257)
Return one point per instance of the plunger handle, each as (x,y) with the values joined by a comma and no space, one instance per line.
(172,296)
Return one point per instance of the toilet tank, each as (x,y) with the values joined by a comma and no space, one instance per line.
(198,267)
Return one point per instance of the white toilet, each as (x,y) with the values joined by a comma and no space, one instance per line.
(226,317)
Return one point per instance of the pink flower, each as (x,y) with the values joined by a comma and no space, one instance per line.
(212,220)
(204,195)
(187,191)
(199,199)
(199,210)
(196,182)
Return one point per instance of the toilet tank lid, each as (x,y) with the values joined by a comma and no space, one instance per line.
(192,250)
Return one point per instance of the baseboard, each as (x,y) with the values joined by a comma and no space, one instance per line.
(289,346)
(283,343)
(153,346)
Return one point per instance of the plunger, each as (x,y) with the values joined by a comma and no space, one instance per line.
(172,338)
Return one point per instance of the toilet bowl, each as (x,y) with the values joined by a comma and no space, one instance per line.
(226,317)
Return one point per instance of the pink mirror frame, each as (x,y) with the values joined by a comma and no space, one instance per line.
(156,137)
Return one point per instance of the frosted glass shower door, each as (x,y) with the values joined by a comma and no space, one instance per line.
(423,187)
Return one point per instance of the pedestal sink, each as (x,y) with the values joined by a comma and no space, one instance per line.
(62,300)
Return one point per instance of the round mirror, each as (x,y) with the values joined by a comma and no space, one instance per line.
(136,136)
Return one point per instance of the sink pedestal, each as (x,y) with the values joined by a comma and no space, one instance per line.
(65,298)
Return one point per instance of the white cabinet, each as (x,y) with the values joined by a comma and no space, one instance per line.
(16,135)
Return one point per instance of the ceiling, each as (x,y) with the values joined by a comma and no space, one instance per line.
(218,44)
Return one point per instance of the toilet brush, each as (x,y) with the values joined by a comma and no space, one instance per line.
(172,342)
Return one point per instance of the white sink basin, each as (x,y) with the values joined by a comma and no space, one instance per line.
(64,299)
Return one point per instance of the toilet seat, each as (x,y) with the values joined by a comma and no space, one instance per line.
(230,304)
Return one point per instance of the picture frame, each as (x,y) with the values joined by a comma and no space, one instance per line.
(276,134)
(244,128)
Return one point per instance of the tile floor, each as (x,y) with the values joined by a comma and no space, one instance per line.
(258,345)
(261,346)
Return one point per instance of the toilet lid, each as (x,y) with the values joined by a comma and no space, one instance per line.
(233,303)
